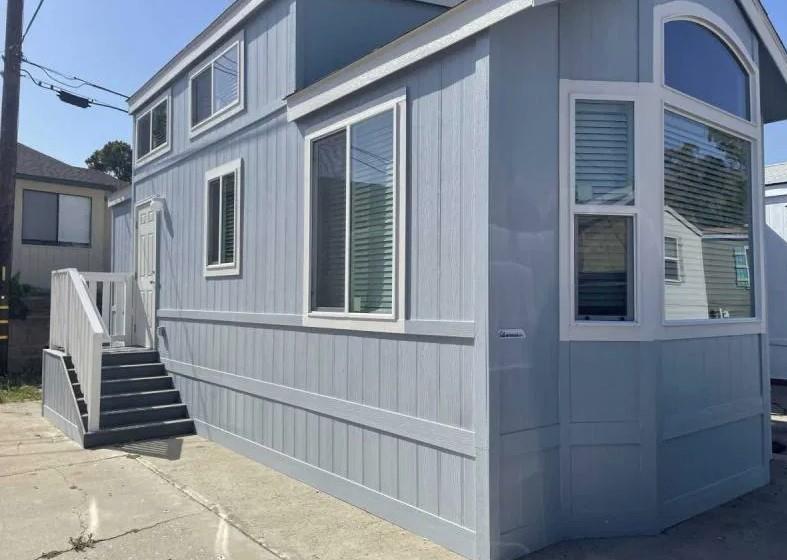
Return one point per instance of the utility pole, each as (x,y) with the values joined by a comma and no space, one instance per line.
(9,129)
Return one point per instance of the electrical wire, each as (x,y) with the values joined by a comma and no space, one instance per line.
(32,19)
(49,71)
(52,87)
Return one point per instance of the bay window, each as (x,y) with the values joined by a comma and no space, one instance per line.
(353,217)
(660,236)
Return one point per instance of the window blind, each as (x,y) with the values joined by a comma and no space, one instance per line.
(228,219)
(604,152)
(330,191)
(159,125)
(214,219)
(73,223)
(372,215)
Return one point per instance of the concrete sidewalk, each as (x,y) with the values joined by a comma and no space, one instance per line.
(179,499)
(189,499)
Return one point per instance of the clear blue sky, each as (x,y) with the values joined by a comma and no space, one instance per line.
(121,43)
(118,43)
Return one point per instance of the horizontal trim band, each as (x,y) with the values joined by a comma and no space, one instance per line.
(604,433)
(695,421)
(447,329)
(457,538)
(450,438)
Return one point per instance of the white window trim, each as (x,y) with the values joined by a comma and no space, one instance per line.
(393,322)
(676,260)
(233,268)
(651,102)
(227,111)
(166,146)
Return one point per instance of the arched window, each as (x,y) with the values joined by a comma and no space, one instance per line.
(698,63)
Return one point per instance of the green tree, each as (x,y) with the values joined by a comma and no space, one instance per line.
(114,158)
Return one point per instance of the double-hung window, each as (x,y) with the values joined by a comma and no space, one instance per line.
(354,195)
(671,259)
(603,210)
(152,131)
(216,89)
(222,220)
(50,218)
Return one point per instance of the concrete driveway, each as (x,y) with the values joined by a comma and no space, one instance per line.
(179,499)
(188,499)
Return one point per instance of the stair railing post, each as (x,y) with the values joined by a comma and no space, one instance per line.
(128,311)
(94,401)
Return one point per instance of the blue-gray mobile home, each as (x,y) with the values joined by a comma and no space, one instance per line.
(490,270)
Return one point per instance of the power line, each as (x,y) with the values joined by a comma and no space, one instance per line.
(69,96)
(32,19)
(82,81)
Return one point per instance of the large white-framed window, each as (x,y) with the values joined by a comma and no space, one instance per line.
(216,88)
(223,189)
(695,219)
(354,221)
(152,131)
(711,139)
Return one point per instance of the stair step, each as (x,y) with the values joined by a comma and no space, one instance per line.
(139,415)
(135,400)
(139,432)
(135,384)
(128,358)
(152,369)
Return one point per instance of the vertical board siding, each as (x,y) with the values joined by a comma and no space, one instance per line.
(429,378)
(122,238)
(776,279)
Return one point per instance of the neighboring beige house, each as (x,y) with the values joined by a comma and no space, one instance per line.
(61,217)
(61,220)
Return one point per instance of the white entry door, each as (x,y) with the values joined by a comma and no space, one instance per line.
(147,260)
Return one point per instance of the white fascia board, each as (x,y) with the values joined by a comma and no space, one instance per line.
(192,53)
(467,19)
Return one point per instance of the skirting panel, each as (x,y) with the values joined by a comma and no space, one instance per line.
(452,536)
(69,429)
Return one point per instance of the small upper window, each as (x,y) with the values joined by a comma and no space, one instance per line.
(153,130)
(698,63)
(217,87)
(222,210)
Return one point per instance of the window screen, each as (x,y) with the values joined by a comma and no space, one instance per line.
(604,152)
(707,201)
(225,79)
(372,215)
(604,265)
(73,224)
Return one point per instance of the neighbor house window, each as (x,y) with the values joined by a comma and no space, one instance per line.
(55,219)
(222,216)
(353,217)
(217,87)
(153,131)
(671,259)
(707,190)
(698,63)
(604,210)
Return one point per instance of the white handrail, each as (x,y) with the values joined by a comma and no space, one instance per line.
(76,328)
(116,303)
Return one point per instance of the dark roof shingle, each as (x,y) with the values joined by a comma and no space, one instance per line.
(33,164)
